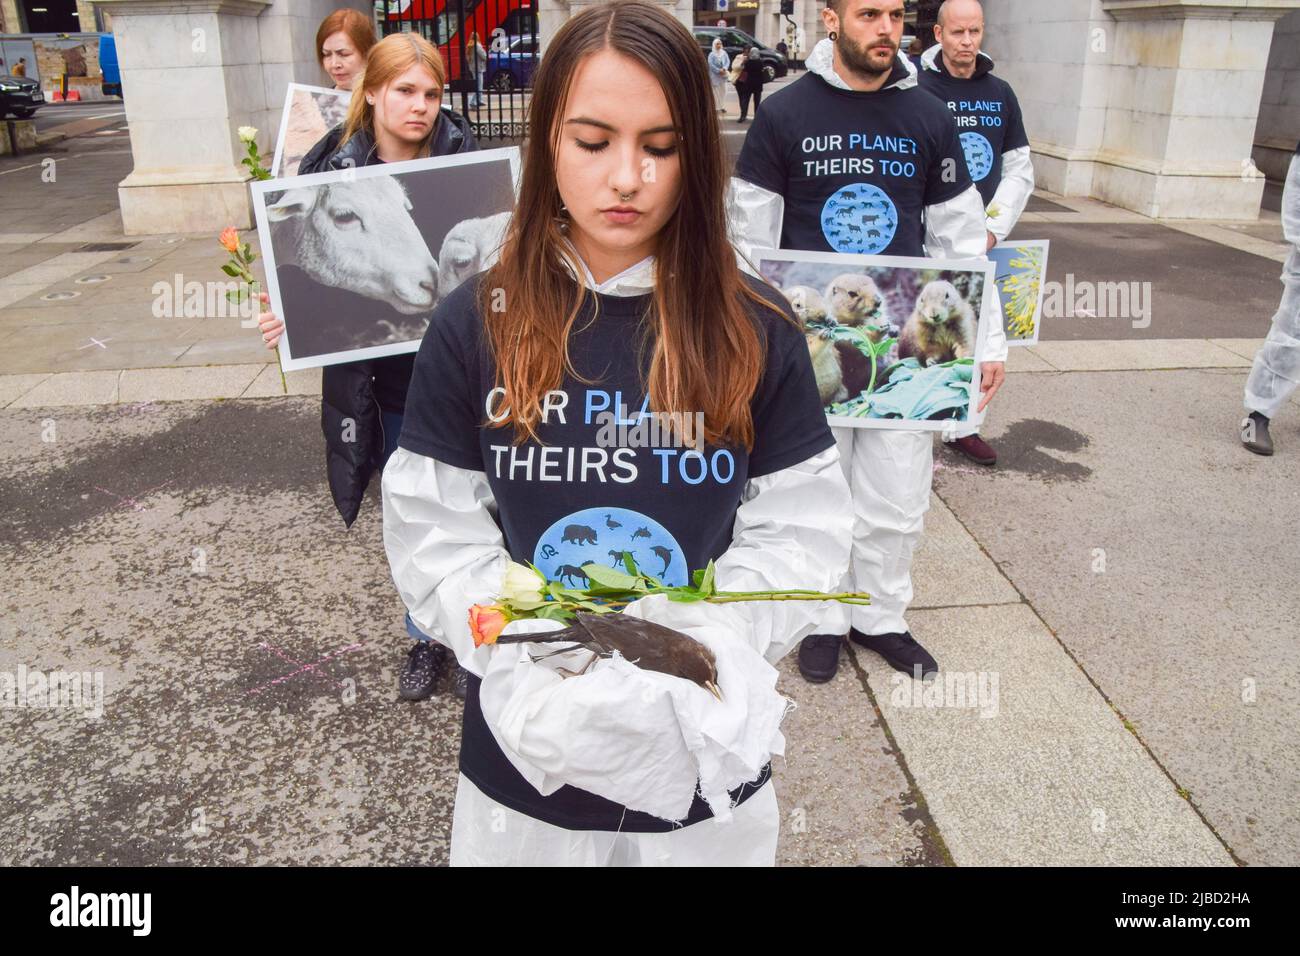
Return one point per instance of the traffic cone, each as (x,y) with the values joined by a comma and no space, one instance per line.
(74,96)
(56,96)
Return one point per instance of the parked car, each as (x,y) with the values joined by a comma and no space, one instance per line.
(512,68)
(112,83)
(734,41)
(20,95)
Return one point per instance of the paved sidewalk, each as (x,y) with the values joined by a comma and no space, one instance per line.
(1110,603)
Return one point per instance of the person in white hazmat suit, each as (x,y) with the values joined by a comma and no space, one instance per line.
(1276,370)
(858,125)
(993,138)
(617,291)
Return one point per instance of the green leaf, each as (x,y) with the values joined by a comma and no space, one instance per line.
(553,612)
(710,575)
(629,562)
(236,295)
(685,596)
(231,270)
(609,578)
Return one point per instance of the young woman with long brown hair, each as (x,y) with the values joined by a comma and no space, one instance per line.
(395,114)
(617,291)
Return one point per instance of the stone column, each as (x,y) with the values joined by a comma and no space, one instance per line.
(191,75)
(1182,103)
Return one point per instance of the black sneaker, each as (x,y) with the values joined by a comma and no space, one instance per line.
(1255,436)
(459,682)
(423,662)
(819,657)
(900,651)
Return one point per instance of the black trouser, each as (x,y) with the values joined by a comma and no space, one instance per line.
(745,94)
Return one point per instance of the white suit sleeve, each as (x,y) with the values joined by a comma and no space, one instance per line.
(955,229)
(754,217)
(1013,192)
(793,530)
(444,547)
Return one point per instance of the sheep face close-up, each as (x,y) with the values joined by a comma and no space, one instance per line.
(343,235)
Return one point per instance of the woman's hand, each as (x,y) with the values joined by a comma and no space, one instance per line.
(271,326)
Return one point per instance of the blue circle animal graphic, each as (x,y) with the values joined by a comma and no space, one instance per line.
(601,536)
(979,155)
(859,218)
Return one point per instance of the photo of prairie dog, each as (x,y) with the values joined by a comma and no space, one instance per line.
(826,367)
(855,300)
(941,327)
(808,304)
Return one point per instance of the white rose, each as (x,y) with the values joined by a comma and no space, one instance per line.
(522,587)
(248,134)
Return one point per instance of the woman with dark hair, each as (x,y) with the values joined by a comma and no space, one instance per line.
(395,114)
(343,42)
(617,289)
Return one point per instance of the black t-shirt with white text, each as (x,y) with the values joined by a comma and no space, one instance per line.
(587,493)
(856,169)
(988,115)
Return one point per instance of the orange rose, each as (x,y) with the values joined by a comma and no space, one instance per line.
(229,240)
(486,623)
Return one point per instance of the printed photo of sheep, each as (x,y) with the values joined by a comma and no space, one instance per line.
(895,343)
(309,113)
(356,260)
(1021,275)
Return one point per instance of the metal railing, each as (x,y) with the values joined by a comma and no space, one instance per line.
(510,52)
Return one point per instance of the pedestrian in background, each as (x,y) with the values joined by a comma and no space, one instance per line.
(1276,370)
(719,67)
(20,68)
(477,61)
(750,84)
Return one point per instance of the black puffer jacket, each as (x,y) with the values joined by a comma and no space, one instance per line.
(359,390)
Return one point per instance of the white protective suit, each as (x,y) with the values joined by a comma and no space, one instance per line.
(619,731)
(1276,372)
(1009,201)
(889,470)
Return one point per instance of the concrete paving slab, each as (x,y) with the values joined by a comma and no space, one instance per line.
(267,384)
(949,568)
(1246,348)
(1150,354)
(844,798)
(74,347)
(1023,358)
(15,386)
(54,269)
(181,384)
(1160,553)
(303,382)
(1033,767)
(243,350)
(72,388)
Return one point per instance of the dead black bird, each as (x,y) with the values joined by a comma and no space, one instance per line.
(648,645)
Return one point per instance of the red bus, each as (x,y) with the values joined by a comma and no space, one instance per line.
(448,24)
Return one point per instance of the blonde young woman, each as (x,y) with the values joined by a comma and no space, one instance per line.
(616,286)
(396,114)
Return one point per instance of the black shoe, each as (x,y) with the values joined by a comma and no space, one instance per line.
(819,657)
(900,651)
(423,663)
(1254,434)
(459,683)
